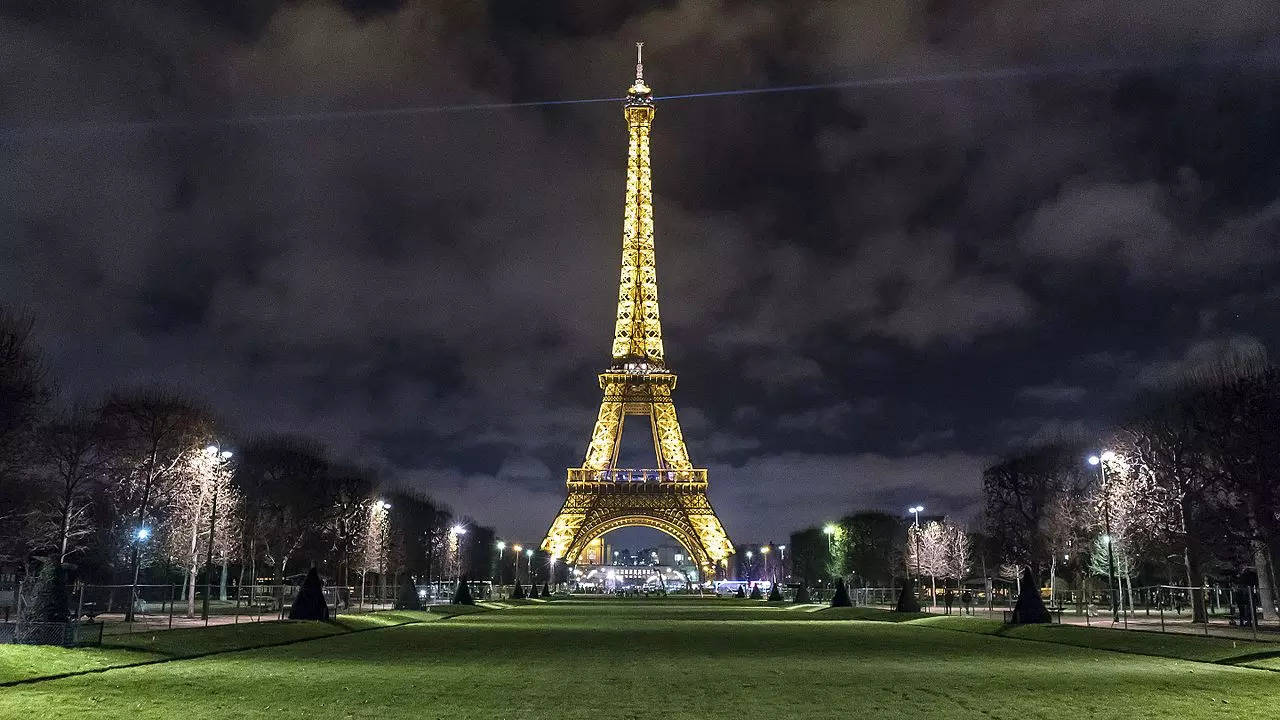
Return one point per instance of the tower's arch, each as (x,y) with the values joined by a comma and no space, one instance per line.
(587,535)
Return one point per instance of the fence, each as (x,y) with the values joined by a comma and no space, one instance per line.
(68,634)
(161,607)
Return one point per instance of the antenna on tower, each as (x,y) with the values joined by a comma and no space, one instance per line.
(640,63)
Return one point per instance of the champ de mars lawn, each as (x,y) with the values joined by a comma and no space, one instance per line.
(646,659)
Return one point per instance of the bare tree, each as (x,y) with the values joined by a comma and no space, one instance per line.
(928,549)
(1022,494)
(71,466)
(201,488)
(1238,417)
(346,516)
(24,396)
(149,435)
(282,482)
(1162,444)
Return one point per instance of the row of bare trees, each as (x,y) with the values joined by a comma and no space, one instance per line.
(1184,491)
(147,486)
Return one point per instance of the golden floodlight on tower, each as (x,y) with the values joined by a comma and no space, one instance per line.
(672,496)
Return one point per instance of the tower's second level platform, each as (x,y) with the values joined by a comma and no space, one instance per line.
(637,479)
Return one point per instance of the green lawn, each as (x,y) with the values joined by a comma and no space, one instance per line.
(631,659)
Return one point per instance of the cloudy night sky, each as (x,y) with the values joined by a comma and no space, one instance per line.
(868,293)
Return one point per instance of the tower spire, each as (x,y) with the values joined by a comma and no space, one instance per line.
(637,337)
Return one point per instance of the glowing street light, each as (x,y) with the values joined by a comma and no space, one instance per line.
(142,533)
(458,530)
(829,529)
(1100,461)
(916,510)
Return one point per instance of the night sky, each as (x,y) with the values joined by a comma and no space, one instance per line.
(868,293)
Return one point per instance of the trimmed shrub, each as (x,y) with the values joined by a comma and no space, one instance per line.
(407,597)
(841,597)
(741,594)
(1030,606)
(309,603)
(518,592)
(755,592)
(802,595)
(533,590)
(546,591)
(907,601)
(462,596)
(775,595)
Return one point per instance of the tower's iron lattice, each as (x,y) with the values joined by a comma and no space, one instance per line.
(672,497)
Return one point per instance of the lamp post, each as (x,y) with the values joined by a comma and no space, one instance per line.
(516,549)
(221,457)
(764,555)
(141,535)
(749,556)
(916,510)
(455,535)
(502,547)
(528,560)
(1101,462)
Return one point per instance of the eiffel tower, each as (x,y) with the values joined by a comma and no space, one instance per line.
(671,497)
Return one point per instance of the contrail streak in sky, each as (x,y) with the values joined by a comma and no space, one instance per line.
(958,76)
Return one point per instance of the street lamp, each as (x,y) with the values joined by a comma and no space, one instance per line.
(142,533)
(516,549)
(456,532)
(916,510)
(528,554)
(502,546)
(1101,463)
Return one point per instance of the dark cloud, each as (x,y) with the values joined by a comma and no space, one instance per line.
(867,292)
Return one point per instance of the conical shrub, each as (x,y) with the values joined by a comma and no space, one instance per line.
(802,595)
(775,594)
(1030,606)
(309,603)
(755,592)
(462,596)
(907,601)
(533,590)
(740,594)
(841,598)
(518,592)
(546,591)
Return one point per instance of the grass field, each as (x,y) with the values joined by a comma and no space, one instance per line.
(633,659)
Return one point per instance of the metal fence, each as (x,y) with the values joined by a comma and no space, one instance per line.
(68,634)
(118,609)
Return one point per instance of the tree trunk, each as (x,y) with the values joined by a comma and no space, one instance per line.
(1261,565)
(1053,576)
(191,590)
(1191,562)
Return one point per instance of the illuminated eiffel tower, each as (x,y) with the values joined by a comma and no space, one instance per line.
(671,497)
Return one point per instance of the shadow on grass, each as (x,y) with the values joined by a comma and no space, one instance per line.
(151,648)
